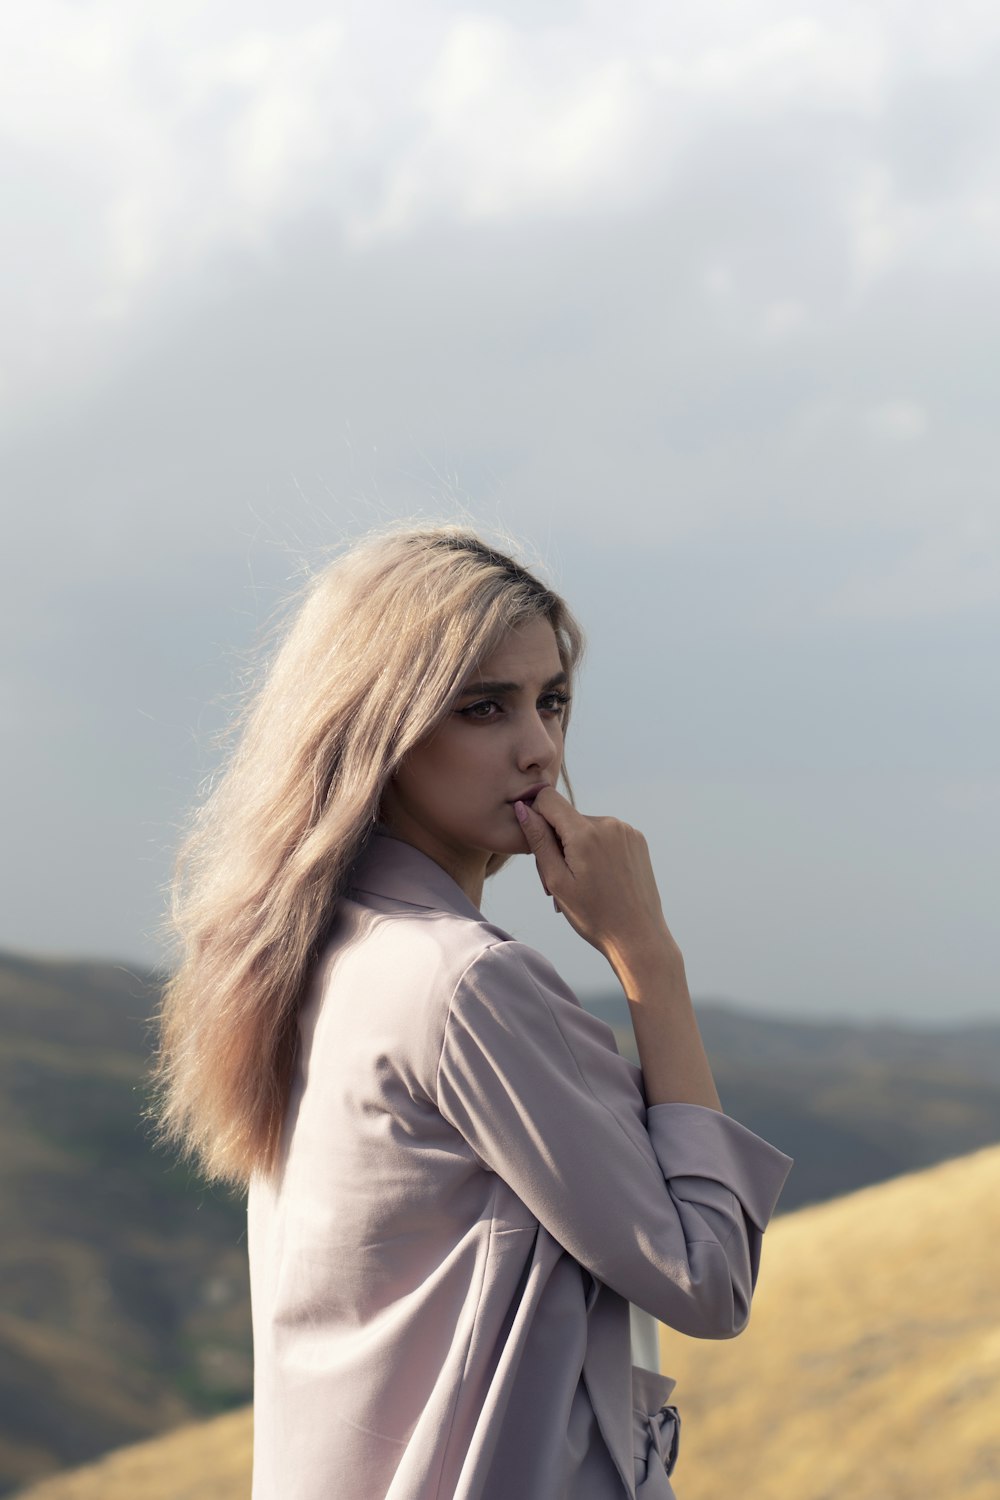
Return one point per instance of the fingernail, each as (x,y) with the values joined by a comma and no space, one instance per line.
(520,812)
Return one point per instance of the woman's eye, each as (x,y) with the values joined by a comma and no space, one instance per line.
(472,712)
(481,711)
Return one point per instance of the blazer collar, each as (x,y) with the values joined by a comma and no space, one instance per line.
(390,867)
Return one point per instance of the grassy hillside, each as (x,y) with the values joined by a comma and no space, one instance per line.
(200,1461)
(124,1283)
(124,1307)
(871,1367)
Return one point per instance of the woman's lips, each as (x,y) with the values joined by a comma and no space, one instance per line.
(529,795)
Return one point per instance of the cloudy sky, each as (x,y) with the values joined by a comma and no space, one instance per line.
(700,302)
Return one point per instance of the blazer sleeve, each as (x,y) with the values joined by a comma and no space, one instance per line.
(665,1204)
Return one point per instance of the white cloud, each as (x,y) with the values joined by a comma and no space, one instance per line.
(785,61)
(782,319)
(732,216)
(504,124)
(898,421)
(196,129)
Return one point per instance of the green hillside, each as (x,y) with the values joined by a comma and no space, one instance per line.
(124,1307)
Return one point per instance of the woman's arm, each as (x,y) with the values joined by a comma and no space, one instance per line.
(599,872)
(675,1069)
(666,1202)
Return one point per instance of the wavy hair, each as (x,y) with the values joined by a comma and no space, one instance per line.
(368,666)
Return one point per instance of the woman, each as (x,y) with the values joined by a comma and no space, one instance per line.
(457,1185)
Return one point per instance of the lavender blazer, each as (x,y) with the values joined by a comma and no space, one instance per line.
(475,1215)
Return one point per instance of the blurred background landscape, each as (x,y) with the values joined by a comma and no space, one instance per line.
(701,306)
(126,1300)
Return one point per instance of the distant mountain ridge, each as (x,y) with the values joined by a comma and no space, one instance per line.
(779,1040)
(125,1301)
(854,1104)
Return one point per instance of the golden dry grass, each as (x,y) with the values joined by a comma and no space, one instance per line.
(871,1367)
(201,1461)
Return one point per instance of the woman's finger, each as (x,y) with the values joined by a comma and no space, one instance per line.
(558,811)
(542,843)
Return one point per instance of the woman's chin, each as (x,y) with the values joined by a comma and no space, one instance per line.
(510,840)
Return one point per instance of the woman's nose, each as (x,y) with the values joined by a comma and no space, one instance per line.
(537,746)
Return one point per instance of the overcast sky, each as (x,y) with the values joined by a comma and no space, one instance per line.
(699,302)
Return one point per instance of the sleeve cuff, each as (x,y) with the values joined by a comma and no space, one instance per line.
(691,1140)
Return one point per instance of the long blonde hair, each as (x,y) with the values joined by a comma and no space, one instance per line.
(368,666)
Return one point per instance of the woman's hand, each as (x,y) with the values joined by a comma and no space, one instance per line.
(598,870)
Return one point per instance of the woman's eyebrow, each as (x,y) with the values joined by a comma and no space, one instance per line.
(511,687)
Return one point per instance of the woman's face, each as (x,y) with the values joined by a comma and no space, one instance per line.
(453,796)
